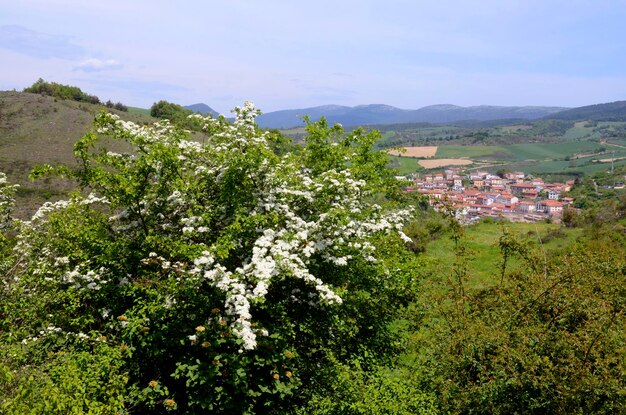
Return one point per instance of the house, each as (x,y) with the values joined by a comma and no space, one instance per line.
(486,199)
(549,206)
(478,175)
(495,180)
(526,206)
(514,175)
(554,194)
(450,173)
(537,182)
(520,188)
(507,199)
(478,183)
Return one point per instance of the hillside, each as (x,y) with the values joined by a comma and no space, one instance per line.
(612,111)
(202,109)
(36,129)
(385,114)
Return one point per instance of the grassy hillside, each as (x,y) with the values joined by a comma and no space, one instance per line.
(36,129)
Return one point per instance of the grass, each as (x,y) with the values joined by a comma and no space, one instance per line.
(404,165)
(36,129)
(139,111)
(621,142)
(484,254)
(576,133)
(542,151)
(456,151)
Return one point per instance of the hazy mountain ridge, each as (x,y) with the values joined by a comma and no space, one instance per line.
(202,108)
(611,111)
(385,114)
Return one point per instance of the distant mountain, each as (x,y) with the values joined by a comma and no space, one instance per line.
(202,109)
(384,114)
(613,111)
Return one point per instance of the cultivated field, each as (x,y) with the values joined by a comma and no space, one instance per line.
(421,152)
(433,164)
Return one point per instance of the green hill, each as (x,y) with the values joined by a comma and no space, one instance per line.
(612,111)
(37,129)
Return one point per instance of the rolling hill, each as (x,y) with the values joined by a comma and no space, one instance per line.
(37,129)
(612,111)
(202,109)
(384,114)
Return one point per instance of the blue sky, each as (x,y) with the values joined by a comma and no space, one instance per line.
(295,54)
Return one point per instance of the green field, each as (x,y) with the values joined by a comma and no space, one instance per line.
(541,151)
(583,165)
(140,111)
(457,151)
(618,142)
(404,165)
(482,242)
(576,133)
(519,152)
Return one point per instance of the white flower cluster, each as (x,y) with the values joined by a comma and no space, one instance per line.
(87,280)
(304,218)
(6,200)
(56,331)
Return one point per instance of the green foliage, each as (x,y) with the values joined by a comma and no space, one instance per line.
(175,113)
(357,392)
(547,339)
(231,276)
(76,382)
(69,92)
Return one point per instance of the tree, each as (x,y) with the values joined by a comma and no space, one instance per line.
(218,276)
(549,338)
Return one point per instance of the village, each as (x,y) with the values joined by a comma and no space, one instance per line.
(514,196)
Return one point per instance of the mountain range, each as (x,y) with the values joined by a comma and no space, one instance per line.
(202,109)
(380,114)
(385,114)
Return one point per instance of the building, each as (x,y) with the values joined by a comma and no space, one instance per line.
(549,206)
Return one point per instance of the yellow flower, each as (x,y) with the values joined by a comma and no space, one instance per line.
(288,374)
(205,344)
(170,403)
(276,376)
(153,384)
(200,329)
(288,354)
(122,318)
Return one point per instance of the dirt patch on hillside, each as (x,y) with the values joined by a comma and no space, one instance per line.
(433,164)
(416,152)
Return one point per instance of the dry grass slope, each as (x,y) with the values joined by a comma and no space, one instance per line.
(36,129)
(424,151)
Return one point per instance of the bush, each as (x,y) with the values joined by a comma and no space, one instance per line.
(545,340)
(226,276)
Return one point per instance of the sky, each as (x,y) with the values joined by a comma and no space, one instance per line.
(294,54)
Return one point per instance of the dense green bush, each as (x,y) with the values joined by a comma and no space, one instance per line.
(69,92)
(549,338)
(217,277)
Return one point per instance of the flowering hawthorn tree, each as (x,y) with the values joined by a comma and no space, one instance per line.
(209,273)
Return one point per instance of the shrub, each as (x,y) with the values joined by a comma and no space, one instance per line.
(227,276)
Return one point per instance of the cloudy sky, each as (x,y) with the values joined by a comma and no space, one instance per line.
(295,54)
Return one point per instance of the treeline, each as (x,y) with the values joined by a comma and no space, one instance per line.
(177,114)
(70,92)
(612,111)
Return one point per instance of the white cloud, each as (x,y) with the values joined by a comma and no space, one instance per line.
(98,65)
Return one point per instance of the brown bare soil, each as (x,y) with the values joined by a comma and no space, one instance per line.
(418,152)
(433,164)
